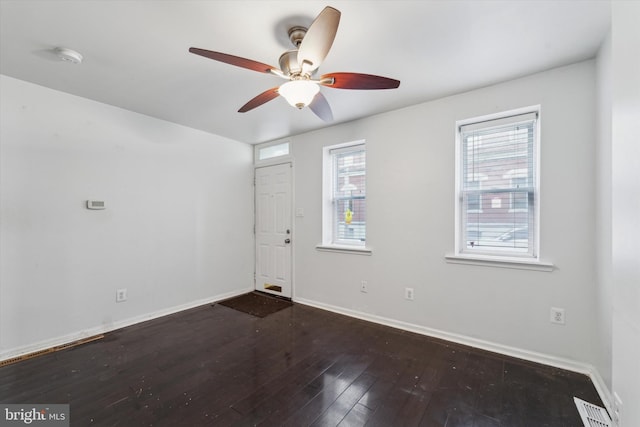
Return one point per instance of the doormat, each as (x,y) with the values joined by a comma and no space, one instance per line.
(257,304)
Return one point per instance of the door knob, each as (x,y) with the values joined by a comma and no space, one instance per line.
(287,240)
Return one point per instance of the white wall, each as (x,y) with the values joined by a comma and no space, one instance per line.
(626,208)
(177,230)
(410,226)
(604,290)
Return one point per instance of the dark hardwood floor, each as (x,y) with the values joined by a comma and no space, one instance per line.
(301,366)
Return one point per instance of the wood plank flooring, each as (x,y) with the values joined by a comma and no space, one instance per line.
(215,366)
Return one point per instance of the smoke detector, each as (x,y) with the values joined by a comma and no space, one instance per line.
(68,55)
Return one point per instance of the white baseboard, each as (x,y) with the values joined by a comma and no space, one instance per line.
(545,359)
(102,329)
(601,387)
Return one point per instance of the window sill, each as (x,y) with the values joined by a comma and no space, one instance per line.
(502,262)
(357,250)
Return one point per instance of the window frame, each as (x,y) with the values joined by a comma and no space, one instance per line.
(274,159)
(501,258)
(330,219)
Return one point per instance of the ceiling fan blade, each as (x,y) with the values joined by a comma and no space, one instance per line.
(318,40)
(264,97)
(358,81)
(234,60)
(321,107)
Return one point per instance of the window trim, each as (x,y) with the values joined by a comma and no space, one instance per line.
(329,241)
(497,258)
(502,262)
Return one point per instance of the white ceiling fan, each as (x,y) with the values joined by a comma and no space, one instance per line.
(299,65)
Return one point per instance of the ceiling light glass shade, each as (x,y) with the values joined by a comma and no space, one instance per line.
(299,93)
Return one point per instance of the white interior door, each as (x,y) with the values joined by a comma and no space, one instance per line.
(273,229)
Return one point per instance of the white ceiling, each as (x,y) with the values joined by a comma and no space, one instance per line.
(136,53)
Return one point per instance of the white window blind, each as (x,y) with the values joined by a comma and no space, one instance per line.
(498,186)
(349,194)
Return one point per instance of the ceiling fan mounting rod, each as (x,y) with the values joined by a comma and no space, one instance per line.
(296,34)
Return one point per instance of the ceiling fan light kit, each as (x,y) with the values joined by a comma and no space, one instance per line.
(299,93)
(300,64)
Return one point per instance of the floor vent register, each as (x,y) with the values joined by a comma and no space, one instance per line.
(592,415)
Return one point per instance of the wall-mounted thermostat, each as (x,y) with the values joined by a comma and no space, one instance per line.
(95,204)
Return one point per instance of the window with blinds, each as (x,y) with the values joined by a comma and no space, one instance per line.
(349,194)
(497,185)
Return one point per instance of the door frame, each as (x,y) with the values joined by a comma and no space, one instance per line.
(287,160)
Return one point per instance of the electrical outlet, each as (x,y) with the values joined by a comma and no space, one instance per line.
(364,286)
(617,409)
(121,295)
(408,294)
(557,315)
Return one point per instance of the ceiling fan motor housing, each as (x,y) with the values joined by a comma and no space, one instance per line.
(289,63)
